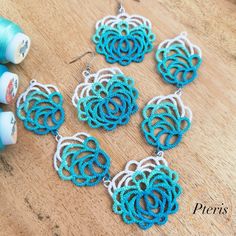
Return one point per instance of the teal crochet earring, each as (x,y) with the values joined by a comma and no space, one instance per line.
(106,99)
(178,60)
(79,158)
(124,38)
(146,192)
(166,118)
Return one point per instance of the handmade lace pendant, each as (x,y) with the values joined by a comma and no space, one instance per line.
(124,38)
(166,120)
(40,108)
(146,192)
(178,60)
(79,158)
(106,99)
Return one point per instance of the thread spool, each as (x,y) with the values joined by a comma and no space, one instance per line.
(8,129)
(14,44)
(8,85)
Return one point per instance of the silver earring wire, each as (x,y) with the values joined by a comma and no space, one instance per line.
(86,72)
(121,8)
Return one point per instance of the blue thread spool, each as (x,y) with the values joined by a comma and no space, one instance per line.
(14,44)
(8,85)
(8,129)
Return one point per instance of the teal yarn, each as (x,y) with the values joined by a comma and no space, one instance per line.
(163,126)
(109,105)
(3,69)
(85,164)
(8,30)
(150,199)
(42,113)
(1,145)
(176,65)
(123,44)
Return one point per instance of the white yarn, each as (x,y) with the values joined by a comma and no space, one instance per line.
(63,142)
(35,86)
(184,111)
(182,39)
(102,76)
(132,20)
(124,178)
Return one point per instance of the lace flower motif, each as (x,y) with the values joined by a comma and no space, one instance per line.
(123,38)
(178,60)
(146,192)
(106,99)
(40,108)
(166,120)
(81,160)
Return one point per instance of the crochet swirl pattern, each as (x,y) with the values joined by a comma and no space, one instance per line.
(166,120)
(40,108)
(146,195)
(106,99)
(178,60)
(123,38)
(80,159)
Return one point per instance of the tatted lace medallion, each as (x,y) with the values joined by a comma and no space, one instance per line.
(40,108)
(166,119)
(106,99)
(178,60)
(81,160)
(124,38)
(146,192)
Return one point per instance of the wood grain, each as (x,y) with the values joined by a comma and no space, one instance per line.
(34,201)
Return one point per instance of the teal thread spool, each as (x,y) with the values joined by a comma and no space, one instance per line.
(8,85)
(8,129)
(14,44)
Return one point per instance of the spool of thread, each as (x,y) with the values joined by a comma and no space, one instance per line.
(8,85)
(14,44)
(8,129)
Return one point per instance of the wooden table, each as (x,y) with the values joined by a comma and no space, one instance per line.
(34,201)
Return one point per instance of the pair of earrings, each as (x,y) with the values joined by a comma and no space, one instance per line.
(145,192)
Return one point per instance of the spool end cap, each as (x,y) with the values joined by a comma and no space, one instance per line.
(18,48)
(8,87)
(8,128)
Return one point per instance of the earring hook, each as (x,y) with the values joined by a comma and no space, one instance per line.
(86,72)
(121,6)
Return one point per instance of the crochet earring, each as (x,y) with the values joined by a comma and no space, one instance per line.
(146,192)
(106,99)
(166,118)
(178,60)
(124,38)
(79,158)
